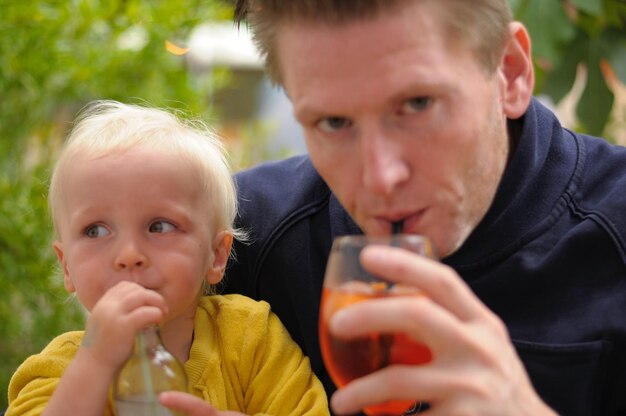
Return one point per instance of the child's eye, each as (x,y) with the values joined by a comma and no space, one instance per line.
(96,231)
(161,227)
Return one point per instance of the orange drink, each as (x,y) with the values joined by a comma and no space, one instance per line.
(347,359)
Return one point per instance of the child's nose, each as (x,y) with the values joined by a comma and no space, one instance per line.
(130,257)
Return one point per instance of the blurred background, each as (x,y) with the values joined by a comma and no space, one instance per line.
(56,56)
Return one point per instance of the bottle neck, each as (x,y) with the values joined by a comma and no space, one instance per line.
(148,338)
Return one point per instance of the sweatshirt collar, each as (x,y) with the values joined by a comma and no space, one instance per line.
(531,192)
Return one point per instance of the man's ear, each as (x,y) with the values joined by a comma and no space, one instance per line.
(222,243)
(518,72)
(67,280)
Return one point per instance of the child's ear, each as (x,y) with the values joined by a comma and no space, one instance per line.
(222,243)
(67,281)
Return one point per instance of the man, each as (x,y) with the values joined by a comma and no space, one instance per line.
(421,111)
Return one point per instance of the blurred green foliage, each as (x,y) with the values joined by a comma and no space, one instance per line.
(569,33)
(55,56)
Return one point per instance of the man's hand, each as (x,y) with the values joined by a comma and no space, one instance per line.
(475,368)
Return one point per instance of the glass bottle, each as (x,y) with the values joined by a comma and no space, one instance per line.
(150,370)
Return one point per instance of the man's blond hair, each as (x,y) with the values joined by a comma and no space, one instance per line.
(481,24)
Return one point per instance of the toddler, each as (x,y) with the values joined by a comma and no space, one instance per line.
(143,205)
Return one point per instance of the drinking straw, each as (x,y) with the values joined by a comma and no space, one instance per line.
(147,376)
(397,227)
(396,230)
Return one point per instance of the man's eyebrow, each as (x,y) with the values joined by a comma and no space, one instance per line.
(306,112)
(423,89)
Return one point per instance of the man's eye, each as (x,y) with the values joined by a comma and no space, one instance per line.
(332,124)
(417,104)
(95,231)
(161,227)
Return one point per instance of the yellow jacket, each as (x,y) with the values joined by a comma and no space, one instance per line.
(241,359)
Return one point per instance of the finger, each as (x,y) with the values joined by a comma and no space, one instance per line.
(131,306)
(185,402)
(391,383)
(129,296)
(438,281)
(142,316)
(417,316)
(135,295)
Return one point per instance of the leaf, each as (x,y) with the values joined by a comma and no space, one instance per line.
(596,102)
(615,13)
(593,7)
(614,45)
(560,80)
(618,62)
(549,27)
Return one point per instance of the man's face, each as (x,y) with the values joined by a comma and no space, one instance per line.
(401,122)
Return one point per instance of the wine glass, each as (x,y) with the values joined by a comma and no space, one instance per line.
(345,283)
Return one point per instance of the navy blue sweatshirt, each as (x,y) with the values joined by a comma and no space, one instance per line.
(549,258)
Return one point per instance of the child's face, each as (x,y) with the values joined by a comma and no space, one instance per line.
(141,216)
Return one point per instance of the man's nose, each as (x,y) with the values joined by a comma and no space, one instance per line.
(129,256)
(384,162)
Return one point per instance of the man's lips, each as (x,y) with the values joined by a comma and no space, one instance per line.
(410,220)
